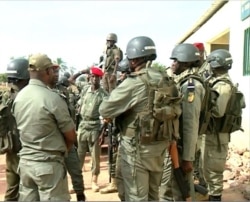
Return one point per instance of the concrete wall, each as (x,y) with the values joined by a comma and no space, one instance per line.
(228,20)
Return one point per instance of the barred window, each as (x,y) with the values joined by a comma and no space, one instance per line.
(246,56)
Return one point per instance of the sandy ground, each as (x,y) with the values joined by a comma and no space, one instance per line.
(229,194)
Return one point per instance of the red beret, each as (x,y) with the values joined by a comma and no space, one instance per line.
(200,46)
(96,71)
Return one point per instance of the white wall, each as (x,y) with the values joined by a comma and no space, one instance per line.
(229,17)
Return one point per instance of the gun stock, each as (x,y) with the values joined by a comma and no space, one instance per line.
(178,173)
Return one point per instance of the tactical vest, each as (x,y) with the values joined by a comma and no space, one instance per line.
(160,118)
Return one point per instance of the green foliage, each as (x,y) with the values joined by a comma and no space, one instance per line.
(158,66)
(64,67)
(3,78)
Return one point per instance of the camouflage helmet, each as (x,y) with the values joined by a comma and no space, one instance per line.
(141,46)
(112,37)
(124,66)
(66,74)
(185,52)
(220,58)
(18,69)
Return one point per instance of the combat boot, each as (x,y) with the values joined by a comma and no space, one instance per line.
(80,197)
(95,187)
(111,188)
(214,198)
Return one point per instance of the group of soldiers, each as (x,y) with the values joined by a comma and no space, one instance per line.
(55,122)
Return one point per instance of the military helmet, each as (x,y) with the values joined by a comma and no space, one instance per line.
(185,52)
(64,81)
(220,58)
(66,74)
(141,46)
(124,66)
(112,37)
(18,69)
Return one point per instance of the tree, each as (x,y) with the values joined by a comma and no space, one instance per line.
(64,67)
(159,66)
(3,78)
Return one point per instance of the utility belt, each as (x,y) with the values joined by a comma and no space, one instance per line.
(90,119)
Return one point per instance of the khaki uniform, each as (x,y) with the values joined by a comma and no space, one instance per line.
(89,127)
(110,55)
(12,159)
(141,164)
(216,145)
(42,116)
(189,125)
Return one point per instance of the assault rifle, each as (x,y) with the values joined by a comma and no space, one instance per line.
(179,176)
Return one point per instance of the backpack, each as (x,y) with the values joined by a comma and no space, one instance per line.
(160,119)
(6,142)
(208,101)
(232,119)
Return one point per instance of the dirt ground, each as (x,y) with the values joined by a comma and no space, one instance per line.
(229,194)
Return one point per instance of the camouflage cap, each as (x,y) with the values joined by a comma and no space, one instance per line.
(39,62)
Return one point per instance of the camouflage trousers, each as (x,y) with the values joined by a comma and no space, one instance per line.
(107,84)
(215,153)
(12,177)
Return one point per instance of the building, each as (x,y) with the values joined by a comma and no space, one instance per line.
(226,24)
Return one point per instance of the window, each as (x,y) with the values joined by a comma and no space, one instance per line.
(246,56)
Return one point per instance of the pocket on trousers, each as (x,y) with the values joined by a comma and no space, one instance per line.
(44,170)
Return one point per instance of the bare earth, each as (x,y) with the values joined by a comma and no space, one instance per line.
(229,194)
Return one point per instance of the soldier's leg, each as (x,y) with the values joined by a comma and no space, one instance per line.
(73,166)
(12,177)
(82,146)
(95,150)
(165,187)
(105,81)
(136,180)
(119,178)
(215,154)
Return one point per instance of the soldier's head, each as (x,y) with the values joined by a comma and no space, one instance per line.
(42,68)
(96,74)
(124,66)
(67,74)
(64,81)
(140,50)
(111,39)
(17,72)
(220,61)
(184,56)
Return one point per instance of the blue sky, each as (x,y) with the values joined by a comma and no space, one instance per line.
(76,30)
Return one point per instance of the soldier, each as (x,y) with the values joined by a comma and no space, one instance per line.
(72,160)
(111,57)
(47,132)
(115,171)
(141,162)
(18,78)
(216,142)
(90,124)
(184,56)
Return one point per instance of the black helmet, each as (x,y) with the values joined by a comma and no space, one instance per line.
(220,58)
(18,69)
(141,46)
(185,52)
(64,81)
(124,66)
(66,74)
(112,37)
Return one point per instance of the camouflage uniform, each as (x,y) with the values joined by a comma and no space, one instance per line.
(216,145)
(141,165)
(12,158)
(89,127)
(110,55)
(189,125)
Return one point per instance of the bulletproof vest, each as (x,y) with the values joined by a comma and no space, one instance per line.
(160,119)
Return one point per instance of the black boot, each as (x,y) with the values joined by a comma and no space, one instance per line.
(80,197)
(214,198)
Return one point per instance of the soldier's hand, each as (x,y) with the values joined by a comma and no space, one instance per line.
(112,78)
(101,140)
(187,166)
